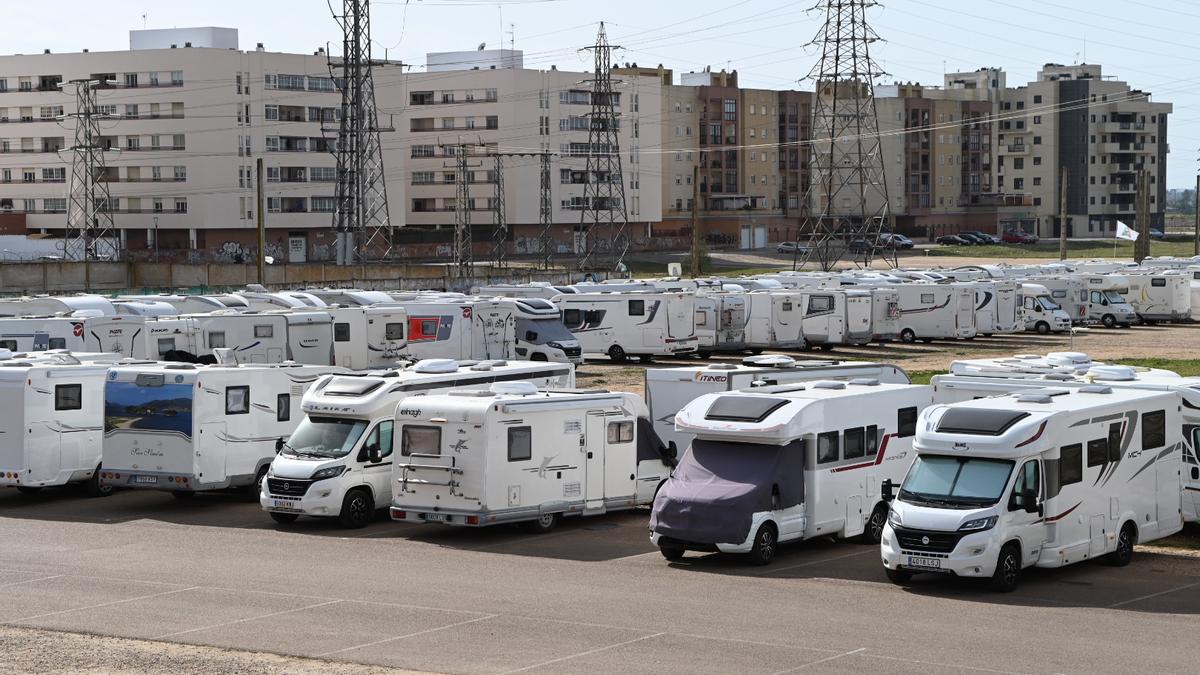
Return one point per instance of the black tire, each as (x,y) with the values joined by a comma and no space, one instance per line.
(898,576)
(1109,321)
(28,489)
(253,489)
(543,524)
(1008,569)
(284,518)
(671,553)
(93,488)
(1042,328)
(827,347)
(358,510)
(756,352)
(907,336)
(873,529)
(1126,540)
(183,495)
(645,358)
(704,355)
(617,354)
(766,540)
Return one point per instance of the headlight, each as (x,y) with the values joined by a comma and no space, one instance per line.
(894,518)
(554,345)
(979,524)
(329,472)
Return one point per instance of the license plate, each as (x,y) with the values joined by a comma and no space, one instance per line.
(435,517)
(928,563)
(146,479)
(285,505)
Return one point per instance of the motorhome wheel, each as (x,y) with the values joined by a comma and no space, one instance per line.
(765,543)
(617,354)
(1124,551)
(1042,328)
(253,489)
(544,523)
(1008,569)
(1109,321)
(874,530)
(94,488)
(358,508)
(671,553)
(284,518)
(907,335)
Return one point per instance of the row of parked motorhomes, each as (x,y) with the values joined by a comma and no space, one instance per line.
(996,466)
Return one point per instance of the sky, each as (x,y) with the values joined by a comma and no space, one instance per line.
(1150,44)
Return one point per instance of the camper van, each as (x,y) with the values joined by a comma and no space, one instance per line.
(799,319)
(1068,292)
(540,333)
(641,323)
(720,322)
(786,463)
(368,336)
(669,390)
(1039,312)
(186,428)
(1106,302)
(930,311)
(327,469)
(1045,478)
(53,421)
(468,328)
(1161,296)
(513,454)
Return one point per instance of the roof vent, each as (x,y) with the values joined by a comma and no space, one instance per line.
(721,366)
(1112,373)
(865,381)
(1067,358)
(5,354)
(1095,389)
(481,366)
(514,388)
(1033,398)
(828,384)
(1059,377)
(497,363)
(436,366)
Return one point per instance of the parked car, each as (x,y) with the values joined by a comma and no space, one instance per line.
(896,241)
(1157,234)
(861,246)
(1018,237)
(791,247)
(987,238)
(953,240)
(975,239)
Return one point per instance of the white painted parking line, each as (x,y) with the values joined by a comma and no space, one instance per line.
(101,605)
(584,653)
(408,635)
(827,659)
(1153,595)
(30,581)
(237,621)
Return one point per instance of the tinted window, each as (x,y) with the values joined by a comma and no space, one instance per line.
(637,307)
(854,442)
(1070,464)
(1114,442)
(1154,429)
(520,444)
(58,343)
(1158,282)
(906,422)
(237,400)
(216,340)
(165,345)
(264,331)
(743,408)
(872,442)
(827,447)
(283,407)
(979,421)
(820,303)
(429,328)
(1027,479)
(384,437)
(10,345)
(68,397)
(341,332)
(1097,452)
(571,317)
(416,440)
(927,298)
(393,331)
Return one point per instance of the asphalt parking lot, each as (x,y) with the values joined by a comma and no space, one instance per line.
(591,596)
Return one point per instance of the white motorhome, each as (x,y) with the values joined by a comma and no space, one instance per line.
(196,304)
(513,454)
(53,421)
(1039,312)
(786,463)
(257,337)
(669,390)
(351,296)
(1106,302)
(1160,296)
(186,428)
(885,313)
(372,336)
(799,319)
(63,304)
(536,289)
(468,328)
(931,311)
(995,306)
(540,333)
(639,323)
(1045,478)
(1068,292)
(721,322)
(326,468)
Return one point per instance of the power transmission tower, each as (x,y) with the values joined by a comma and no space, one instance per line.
(361,221)
(545,208)
(90,233)
(546,213)
(603,214)
(847,199)
(463,243)
(500,223)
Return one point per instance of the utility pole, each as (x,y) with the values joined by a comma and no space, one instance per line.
(697,240)
(603,211)
(1062,216)
(1141,247)
(847,199)
(90,231)
(1196,212)
(464,263)
(361,220)
(260,220)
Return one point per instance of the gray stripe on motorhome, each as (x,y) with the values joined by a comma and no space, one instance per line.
(1107,418)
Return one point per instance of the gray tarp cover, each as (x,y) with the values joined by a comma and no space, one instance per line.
(718,486)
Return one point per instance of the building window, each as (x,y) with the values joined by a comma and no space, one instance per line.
(176,78)
(324,204)
(1037,140)
(181,205)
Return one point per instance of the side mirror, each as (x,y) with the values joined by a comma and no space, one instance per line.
(672,450)
(887,490)
(1029,498)
(373,454)
(279,443)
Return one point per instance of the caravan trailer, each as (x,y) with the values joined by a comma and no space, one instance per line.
(53,421)
(326,468)
(1043,478)
(669,390)
(1039,312)
(186,428)
(1106,301)
(786,463)
(639,323)
(721,322)
(513,454)
(931,311)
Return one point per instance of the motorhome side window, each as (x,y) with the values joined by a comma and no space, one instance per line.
(1070,464)
(820,303)
(1154,429)
(283,407)
(827,447)
(854,442)
(1158,282)
(906,422)
(341,332)
(1114,442)
(872,442)
(520,444)
(237,400)
(264,331)
(701,319)
(787,305)
(68,397)
(165,345)
(1058,294)
(58,343)
(1097,452)
(216,339)
(620,432)
(419,440)
(393,331)
(10,345)
(1027,479)
(637,308)
(927,298)
(572,317)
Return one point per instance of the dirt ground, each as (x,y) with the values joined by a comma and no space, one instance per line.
(1177,341)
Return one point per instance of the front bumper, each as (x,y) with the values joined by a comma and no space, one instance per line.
(974,556)
(742,547)
(323,498)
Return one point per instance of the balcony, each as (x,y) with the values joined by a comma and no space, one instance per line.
(1017,149)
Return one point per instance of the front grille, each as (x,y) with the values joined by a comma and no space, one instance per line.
(573,351)
(939,542)
(288,487)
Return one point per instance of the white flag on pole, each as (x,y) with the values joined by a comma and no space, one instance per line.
(1126,232)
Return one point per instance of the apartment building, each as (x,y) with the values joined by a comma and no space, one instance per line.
(1100,132)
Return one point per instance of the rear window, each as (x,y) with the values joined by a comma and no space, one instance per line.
(237,400)
(68,397)
(341,332)
(520,444)
(979,421)
(743,408)
(419,440)
(393,331)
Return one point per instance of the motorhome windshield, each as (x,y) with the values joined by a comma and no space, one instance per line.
(541,331)
(1113,297)
(955,481)
(1047,303)
(146,405)
(325,437)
